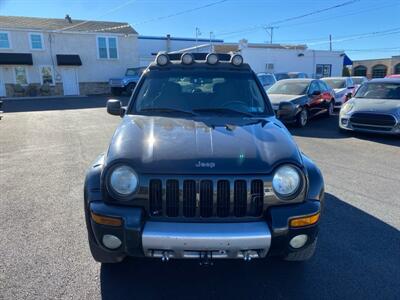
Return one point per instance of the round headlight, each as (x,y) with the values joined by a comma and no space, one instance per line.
(162,59)
(212,58)
(187,58)
(346,108)
(236,60)
(286,181)
(123,181)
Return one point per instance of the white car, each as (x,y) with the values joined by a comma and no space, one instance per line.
(343,88)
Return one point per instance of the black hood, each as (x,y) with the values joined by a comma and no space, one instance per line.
(161,145)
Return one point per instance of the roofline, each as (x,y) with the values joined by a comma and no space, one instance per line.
(146,37)
(68,31)
(369,59)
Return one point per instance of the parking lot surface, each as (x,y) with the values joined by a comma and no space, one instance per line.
(46,146)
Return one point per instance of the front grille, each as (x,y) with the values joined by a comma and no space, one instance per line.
(206,198)
(373,119)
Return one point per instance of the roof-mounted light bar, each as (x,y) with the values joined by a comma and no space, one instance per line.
(212,58)
(162,59)
(187,58)
(236,60)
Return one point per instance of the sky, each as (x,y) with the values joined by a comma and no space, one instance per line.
(365,29)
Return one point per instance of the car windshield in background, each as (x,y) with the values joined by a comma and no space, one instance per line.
(281,76)
(202,92)
(336,83)
(379,91)
(289,87)
(357,80)
(267,79)
(134,72)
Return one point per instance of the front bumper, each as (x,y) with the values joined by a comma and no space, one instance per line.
(346,124)
(145,238)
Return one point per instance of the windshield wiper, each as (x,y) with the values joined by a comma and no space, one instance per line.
(167,110)
(224,110)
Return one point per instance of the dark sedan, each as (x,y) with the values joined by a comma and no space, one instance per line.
(298,100)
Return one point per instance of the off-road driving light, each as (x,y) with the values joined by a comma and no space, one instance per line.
(162,59)
(286,181)
(304,221)
(212,59)
(187,58)
(111,241)
(236,60)
(123,181)
(298,241)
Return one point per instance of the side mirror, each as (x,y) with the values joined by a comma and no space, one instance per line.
(114,107)
(286,108)
(348,96)
(316,93)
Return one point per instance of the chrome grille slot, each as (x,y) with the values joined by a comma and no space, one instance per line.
(189,198)
(172,198)
(155,197)
(223,198)
(206,198)
(257,197)
(240,198)
(373,119)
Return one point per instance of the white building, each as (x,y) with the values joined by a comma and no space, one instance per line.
(277,58)
(63,56)
(149,46)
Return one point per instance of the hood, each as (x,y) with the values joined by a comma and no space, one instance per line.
(278,98)
(339,91)
(389,106)
(160,145)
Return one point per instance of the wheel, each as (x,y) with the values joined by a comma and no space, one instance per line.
(116,91)
(331,108)
(130,88)
(304,254)
(302,118)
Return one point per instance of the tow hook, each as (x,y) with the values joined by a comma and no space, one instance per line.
(206,259)
(165,256)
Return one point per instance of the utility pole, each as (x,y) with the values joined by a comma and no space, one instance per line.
(198,33)
(330,42)
(270,31)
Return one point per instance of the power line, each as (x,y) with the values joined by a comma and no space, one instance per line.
(179,13)
(257,27)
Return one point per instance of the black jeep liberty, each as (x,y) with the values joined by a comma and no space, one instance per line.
(200,168)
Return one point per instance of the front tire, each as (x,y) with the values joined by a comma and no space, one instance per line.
(304,254)
(302,118)
(331,108)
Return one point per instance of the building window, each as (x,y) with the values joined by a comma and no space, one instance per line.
(323,70)
(107,47)
(21,75)
(360,71)
(46,74)
(396,69)
(4,40)
(379,71)
(36,41)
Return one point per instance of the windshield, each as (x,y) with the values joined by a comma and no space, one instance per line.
(134,72)
(289,87)
(267,79)
(379,91)
(357,80)
(202,92)
(336,83)
(281,76)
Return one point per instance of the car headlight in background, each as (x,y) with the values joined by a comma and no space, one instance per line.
(123,181)
(348,106)
(286,181)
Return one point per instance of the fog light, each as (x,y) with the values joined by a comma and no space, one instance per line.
(298,241)
(236,60)
(111,241)
(212,58)
(345,121)
(162,59)
(187,58)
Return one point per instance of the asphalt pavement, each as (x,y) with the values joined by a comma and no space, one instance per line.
(45,148)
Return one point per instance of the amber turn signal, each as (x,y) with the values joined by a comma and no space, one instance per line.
(304,221)
(110,221)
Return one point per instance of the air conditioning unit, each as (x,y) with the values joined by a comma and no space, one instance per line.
(269,68)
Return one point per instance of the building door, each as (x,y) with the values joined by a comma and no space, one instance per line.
(70,82)
(2,85)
